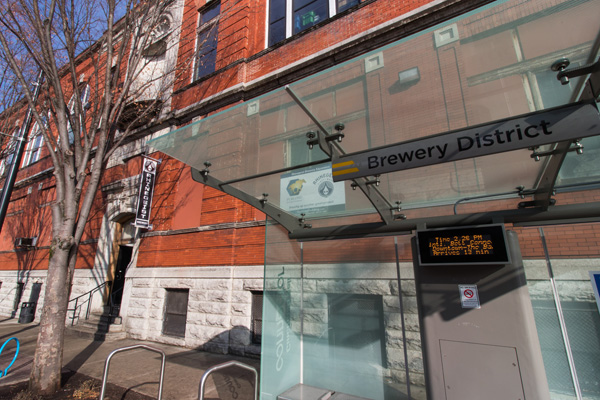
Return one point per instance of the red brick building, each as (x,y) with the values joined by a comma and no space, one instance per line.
(391,72)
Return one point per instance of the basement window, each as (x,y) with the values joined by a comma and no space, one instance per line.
(18,295)
(175,312)
(257,312)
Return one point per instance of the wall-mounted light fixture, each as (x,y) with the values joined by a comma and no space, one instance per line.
(409,76)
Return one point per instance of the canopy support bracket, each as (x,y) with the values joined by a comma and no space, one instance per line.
(330,145)
(542,197)
(288,221)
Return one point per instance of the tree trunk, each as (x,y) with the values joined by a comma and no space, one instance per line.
(45,375)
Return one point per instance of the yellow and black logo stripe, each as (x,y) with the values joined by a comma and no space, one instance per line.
(343,168)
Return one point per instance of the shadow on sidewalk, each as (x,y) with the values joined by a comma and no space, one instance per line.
(26,328)
(229,383)
(77,362)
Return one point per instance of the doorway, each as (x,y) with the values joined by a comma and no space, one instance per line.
(121,258)
(116,291)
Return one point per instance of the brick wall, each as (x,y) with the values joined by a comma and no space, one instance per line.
(242,30)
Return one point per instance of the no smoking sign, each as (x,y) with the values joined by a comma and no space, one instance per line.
(469,297)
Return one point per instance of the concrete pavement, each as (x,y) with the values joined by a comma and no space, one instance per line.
(137,369)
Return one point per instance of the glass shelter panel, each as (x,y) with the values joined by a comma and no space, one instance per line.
(490,64)
(335,307)
(581,169)
(554,353)
(281,359)
(574,252)
(567,313)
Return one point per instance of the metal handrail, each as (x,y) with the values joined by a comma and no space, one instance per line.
(226,365)
(88,301)
(107,366)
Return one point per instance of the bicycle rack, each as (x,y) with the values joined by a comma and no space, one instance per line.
(4,372)
(107,366)
(226,365)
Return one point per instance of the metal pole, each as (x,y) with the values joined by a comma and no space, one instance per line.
(74,311)
(404,341)
(11,177)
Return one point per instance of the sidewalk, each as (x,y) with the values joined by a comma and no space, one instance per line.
(137,369)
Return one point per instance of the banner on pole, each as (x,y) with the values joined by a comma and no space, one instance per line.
(144,205)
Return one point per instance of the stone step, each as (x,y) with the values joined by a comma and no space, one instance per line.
(101,326)
(95,334)
(103,319)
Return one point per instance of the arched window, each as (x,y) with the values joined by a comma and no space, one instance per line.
(84,99)
(9,153)
(36,141)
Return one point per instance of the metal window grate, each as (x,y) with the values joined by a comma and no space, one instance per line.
(175,319)
(257,311)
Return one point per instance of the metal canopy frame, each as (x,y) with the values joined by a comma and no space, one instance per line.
(540,209)
(330,144)
(537,211)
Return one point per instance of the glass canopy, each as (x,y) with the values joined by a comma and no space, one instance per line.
(493,63)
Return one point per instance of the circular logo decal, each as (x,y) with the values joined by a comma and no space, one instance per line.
(325,189)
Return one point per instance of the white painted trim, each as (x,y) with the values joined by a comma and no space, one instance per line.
(215,272)
(24,274)
(289,19)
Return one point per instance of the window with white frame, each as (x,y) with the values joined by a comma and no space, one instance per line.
(36,140)
(84,99)
(206,45)
(289,17)
(9,153)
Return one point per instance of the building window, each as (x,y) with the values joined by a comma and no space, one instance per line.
(257,311)
(36,289)
(7,162)
(208,27)
(298,153)
(343,5)
(34,147)
(158,37)
(10,150)
(289,17)
(176,312)
(18,295)
(356,328)
(84,99)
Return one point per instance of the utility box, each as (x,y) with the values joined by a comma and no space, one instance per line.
(477,328)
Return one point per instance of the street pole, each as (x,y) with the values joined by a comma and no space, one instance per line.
(11,176)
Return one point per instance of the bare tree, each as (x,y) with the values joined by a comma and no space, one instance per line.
(109,68)
(11,103)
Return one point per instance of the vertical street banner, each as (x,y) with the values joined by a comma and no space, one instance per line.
(144,205)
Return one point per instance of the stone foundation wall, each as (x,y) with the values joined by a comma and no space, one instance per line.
(83,281)
(219,312)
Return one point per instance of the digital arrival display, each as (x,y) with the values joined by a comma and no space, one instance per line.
(483,244)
